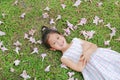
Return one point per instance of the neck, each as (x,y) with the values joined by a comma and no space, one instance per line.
(67,46)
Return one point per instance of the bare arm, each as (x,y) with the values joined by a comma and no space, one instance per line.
(88,49)
(74,66)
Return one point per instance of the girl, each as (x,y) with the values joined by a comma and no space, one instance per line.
(85,57)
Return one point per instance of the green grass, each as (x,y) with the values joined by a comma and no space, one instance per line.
(14,27)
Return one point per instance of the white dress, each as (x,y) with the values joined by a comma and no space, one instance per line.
(103,65)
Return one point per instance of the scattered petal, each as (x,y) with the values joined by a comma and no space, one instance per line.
(16,2)
(43,56)
(32,40)
(63,66)
(1,22)
(17,50)
(63,6)
(3,15)
(77,3)
(12,69)
(67,31)
(70,25)
(26,36)
(2,33)
(58,17)
(99,4)
(45,15)
(35,50)
(82,21)
(52,21)
(47,8)
(70,74)
(117,3)
(17,62)
(39,41)
(17,43)
(25,75)
(1,44)
(32,32)
(108,25)
(47,69)
(96,19)
(106,43)
(22,15)
(88,34)
(4,49)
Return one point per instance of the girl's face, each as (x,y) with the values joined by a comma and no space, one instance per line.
(57,41)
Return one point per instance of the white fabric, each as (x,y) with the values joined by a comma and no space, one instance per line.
(103,65)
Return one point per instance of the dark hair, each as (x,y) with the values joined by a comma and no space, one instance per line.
(45,35)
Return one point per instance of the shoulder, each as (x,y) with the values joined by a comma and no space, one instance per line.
(77,40)
(63,59)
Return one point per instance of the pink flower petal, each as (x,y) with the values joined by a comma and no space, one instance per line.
(47,69)
(47,8)
(63,6)
(17,62)
(77,3)
(25,75)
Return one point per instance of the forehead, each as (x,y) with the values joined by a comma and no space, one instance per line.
(52,36)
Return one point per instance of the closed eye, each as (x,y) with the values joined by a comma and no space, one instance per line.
(57,37)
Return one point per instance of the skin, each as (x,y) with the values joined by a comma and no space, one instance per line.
(58,42)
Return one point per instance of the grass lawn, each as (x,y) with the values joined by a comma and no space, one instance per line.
(15,28)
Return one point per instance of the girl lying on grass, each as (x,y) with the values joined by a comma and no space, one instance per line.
(93,62)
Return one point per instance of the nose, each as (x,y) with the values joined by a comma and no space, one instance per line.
(59,42)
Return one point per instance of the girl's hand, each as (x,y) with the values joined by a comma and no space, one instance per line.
(85,58)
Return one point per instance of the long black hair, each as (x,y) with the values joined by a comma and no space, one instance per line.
(45,35)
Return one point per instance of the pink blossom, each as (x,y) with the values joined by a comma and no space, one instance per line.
(32,32)
(47,8)
(58,17)
(17,50)
(67,31)
(22,15)
(63,6)
(3,15)
(63,66)
(1,22)
(25,75)
(43,56)
(82,21)
(26,36)
(52,21)
(99,4)
(32,40)
(77,3)
(39,41)
(45,15)
(88,34)
(70,25)
(4,49)
(17,62)
(35,50)
(107,42)
(17,43)
(2,33)
(16,2)
(12,69)
(47,69)
(96,20)
(70,74)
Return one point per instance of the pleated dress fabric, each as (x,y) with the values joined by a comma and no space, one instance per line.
(104,63)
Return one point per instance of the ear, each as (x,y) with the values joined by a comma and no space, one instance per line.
(53,49)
